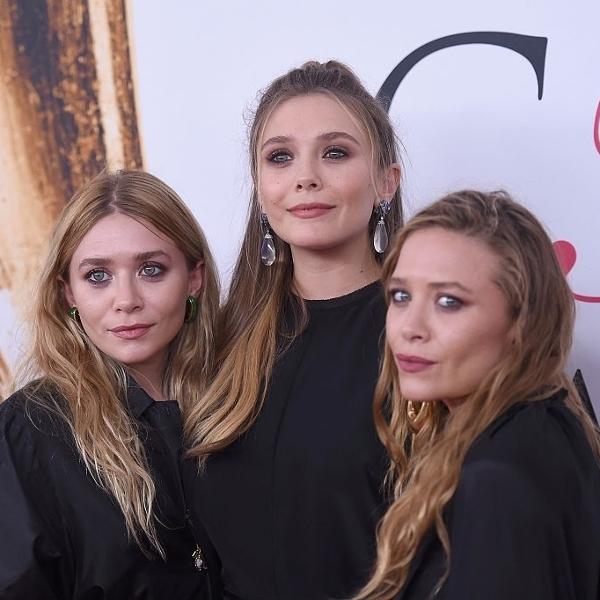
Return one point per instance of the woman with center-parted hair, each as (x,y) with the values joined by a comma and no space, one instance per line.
(289,487)
(495,459)
(91,503)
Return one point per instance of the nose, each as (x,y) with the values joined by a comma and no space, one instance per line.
(127,296)
(308,177)
(409,322)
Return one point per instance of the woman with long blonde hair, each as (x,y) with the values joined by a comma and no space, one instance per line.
(91,503)
(494,458)
(288,470)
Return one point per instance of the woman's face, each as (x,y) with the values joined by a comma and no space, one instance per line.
(315,180)
(448,320)
(130,284)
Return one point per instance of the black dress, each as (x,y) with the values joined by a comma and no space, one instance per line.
(524,523)
(292,506)
(61,536)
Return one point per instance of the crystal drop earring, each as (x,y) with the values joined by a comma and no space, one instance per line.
(268,253)
(380,237)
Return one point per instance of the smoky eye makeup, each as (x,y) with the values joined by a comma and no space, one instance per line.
(97,276)
(279,156)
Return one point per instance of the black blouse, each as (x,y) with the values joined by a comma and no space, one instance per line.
(292,506)
(524,523)
(61,536)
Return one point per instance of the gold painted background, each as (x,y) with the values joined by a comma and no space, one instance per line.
(67,110)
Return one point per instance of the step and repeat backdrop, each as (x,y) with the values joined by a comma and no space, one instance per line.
(487,95)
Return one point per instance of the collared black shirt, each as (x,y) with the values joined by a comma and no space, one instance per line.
(61,536)
(524,522)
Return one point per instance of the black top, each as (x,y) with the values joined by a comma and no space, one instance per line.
(292,506)
(524,523)
(61,536)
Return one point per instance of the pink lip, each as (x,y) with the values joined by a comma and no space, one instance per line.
(131,332)
(310,210)
(412,364)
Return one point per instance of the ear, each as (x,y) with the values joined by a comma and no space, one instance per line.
(196,279)
(67,291)
(389,181)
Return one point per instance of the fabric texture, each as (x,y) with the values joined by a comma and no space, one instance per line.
(61,536)
(524,523)
(291,507)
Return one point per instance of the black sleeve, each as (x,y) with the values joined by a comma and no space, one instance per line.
(28,556)
(506,539)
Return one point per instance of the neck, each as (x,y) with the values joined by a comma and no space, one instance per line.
(150,379)
(324,274)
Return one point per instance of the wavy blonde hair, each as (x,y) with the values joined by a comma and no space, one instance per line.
(427,454)
(92,384)
(250,321)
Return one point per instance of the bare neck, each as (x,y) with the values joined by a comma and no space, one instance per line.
(324,274)
(150,379)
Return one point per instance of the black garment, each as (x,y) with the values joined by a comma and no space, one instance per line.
(61,536)
(292,506)
(524,523)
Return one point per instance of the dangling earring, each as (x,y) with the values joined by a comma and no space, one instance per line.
(267,248)
(74,314)
(191,308)
(380,238)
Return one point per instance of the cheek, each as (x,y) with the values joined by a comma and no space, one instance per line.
(475,352)
(392,326)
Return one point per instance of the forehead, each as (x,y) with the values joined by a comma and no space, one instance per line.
(436,254)
(310,116)
(118,233)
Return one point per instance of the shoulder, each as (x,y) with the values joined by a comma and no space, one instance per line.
(537,450)
(36,407)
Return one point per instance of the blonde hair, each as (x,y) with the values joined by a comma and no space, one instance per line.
(92,384)
(427,455)
(250,321)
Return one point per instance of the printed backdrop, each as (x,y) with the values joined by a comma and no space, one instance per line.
(489,95)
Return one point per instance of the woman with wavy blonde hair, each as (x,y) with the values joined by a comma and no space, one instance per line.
(494,457)
(289,488)
(91,503)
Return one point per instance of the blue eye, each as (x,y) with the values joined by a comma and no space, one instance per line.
(97,276)
(335,153)
(279,156)
(449,302)
(151,270)
(399,296)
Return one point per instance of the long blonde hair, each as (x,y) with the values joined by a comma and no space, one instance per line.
(250,321)
(93,385)
(427,455)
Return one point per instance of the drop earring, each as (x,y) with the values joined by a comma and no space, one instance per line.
(74,314)
(191,308)
(380,237)
(268,253)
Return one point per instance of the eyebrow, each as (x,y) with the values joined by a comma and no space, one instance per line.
(330,135)
(101,261)
(434,284)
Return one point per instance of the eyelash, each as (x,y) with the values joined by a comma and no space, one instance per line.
(274,156)
(456,303)
(161,270)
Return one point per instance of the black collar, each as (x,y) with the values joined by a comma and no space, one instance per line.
(137,399)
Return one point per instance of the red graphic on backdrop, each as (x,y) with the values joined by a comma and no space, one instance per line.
(567,256)
(597,129)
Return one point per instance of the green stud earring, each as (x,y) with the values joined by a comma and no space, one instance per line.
(191,308)
(74,314)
